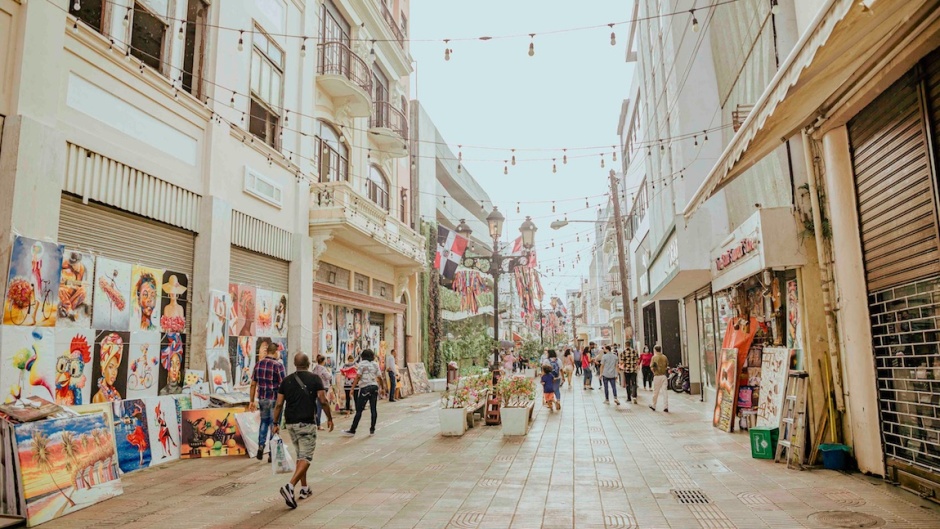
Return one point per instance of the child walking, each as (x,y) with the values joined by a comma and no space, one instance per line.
(548,387)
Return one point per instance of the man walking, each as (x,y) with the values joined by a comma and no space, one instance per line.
(392,368)
(577,361)
(297,397)
(629,363)
(660,366)
(609,374)
(265,381)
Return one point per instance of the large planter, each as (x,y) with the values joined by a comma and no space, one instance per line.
(453,421)
(516,420)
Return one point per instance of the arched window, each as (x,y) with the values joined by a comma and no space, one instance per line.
(377,186)
(331,154)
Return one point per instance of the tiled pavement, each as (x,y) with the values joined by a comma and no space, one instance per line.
(591,465)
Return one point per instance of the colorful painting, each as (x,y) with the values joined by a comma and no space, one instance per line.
(245,311)
(773,386)
(131,435)
(231,304)
(76,284)
(328,332)
(794,334)
(727,392)
(109,366)
(66,465)
(193,377)
(199,396)
(145,298)
(244,361)
(279,327)
(111,308)
(281,344)
(143,353)
(73,366)
(172,360)
(342,336)
(183,402)
(164,429)
(28,360)
(264,312)
(217,326)
(407,389)
(211,433)
(419,377)
(174,301)
(220,369)
(32,296)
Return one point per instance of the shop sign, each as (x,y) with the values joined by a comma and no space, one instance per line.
(737,252)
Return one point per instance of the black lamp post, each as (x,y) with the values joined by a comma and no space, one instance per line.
(498,264)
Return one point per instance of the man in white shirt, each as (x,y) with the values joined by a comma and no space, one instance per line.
(392,370)
(609,374)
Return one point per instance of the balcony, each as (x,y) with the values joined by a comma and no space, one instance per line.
(354,220)
(392,25)
(345,77)
(388,129)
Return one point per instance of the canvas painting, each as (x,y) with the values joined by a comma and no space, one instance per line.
(245,312)
(281,344)
(419,377)
(199,396)
(111,307)
(249,427)
(773,386)
(327,331)
(244,361)
(73,348)
(172,360)
(131,435)
(193,377)
(76,285)
(211,432)
(342,336)
(173,301)
(109,366)
(231,301)
(145,298)
(183,402)
(66,465)
(727,392)
(164,429)
(27,363)
(32,296)
(264,312)
(143,353)
(220,370)
(217,326)
(279,326)
(407,389)
(794,338)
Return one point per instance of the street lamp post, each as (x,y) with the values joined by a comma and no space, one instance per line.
(497,263)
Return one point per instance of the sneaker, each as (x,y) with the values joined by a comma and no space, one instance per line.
(260,453)
(665,410)
(606,402)
(617,402)
(349,433)
(634,401)
(371,433)
(287,491)
(304,493)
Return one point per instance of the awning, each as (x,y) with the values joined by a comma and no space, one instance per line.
(846,46)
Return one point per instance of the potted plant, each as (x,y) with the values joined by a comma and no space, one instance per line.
(469,394)
(516,401)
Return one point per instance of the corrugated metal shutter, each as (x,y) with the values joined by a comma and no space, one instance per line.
(893,181)
(252,268)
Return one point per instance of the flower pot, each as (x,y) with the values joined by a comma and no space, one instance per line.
(516,420)
(453,421)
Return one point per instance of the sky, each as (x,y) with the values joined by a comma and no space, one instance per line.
(493,94)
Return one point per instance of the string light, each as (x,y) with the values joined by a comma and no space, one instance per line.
(77,6)
(179,34)
(694,21)
(514,157)
(553,206)
(696,140)
(564,158)
(505,167)
(706,134)
(613,35)
(127,15)
(413,165)
(459,168)
(241,40)
(531,44)
(554,166)
(614,147)
(75,25)
(586,203)
(774,7)
(446,50)
(303,48)
(602,161)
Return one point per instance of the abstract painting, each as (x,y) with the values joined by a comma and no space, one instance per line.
(164,429)
(172,360)
(143,354)
(773,386)
(244,362)
(264,312)
(73,349)
(174,301)
(231,303)
(279,327)
(727,391)
(111,308)
(32,296)
(131,435)
(145,298)
(211,432)
(220,369)
(419,377)
(76,284)
(245,311)
(217,326)
(109,366)
(27,363)
(66,465)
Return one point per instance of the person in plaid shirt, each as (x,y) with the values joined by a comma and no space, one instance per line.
(265,381)
(629,364)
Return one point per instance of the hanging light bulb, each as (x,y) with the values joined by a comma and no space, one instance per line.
(369,155)
(602,161)
(232,101)
(127,18)
(531,44)
(372,52)
(694,21)
(241,40)
(77,6)
(661,147)
(706,134)
(303,48)
(553,206)
(586,203)
(514,157)
(554,166)
(564,158)
(774,7)
(613,35)
(412,162)
(614,147)
(75,26)
(446,50)
(505,167)
(459,168)
(696,140)
(179,34)
(517,207)
(579,239)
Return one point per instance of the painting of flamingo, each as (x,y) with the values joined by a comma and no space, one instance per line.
(27,357)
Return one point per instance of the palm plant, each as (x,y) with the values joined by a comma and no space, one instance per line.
(42,456)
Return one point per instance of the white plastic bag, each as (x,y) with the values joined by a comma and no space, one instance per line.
(281,460)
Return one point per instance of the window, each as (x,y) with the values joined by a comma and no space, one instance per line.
(333,27)
(194,53)
(91,12)
(148,33)
(331,156)
(377,187)
(267,73)
(379,84)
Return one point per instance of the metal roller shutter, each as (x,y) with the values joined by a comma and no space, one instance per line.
(259,270)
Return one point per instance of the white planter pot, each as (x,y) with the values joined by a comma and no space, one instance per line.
(453,421)
(516,420)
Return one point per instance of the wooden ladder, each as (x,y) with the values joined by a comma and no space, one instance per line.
(793,421)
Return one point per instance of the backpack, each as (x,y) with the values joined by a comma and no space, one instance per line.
(556,370)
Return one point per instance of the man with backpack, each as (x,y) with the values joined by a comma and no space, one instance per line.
(556,374)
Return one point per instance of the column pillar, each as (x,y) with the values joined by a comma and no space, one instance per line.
(301,323)
(210,271)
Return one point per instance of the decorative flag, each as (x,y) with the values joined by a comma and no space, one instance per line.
(450,249)
(469,285)
(517,249)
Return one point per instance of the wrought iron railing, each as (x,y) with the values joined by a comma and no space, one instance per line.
(335,58)
(392,24)
(385,115)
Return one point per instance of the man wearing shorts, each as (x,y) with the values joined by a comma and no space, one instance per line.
(297,397)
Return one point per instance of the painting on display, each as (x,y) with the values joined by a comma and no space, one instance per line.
(73,366)
(358,334)
(183,402)
(217,326)
(172,360)
(407,388)
(164,429)
(727,392)
(231,303)
(211,432)
(243,362)
(199,396)
(279,326)
(220,369)
(111,308)
(419,377)
(193,377)
(76,285)
(264,312)
(328,333)
(66,465)
(794,340)
(32,296)
(27,363)
(131,435)
(174,301)
(244,303)
(145,298)
(281,345)
(773,385)
(109,366)
(143,353)
(342,336)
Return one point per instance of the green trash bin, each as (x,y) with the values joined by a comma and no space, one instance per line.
(764,441)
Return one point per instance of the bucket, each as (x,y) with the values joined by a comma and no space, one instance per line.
(834,456)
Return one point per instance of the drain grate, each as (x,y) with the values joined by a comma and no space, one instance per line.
(690,496)
(226,489)
(846,519)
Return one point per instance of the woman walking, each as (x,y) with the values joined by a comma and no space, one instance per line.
(368,380)
(568,367)
(586,367)
(556,375)
(645,359)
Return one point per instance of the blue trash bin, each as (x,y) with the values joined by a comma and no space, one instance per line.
(834,456)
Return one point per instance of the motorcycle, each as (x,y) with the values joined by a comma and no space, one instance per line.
(678,380)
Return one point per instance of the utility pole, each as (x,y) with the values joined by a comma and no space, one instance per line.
(621,256)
